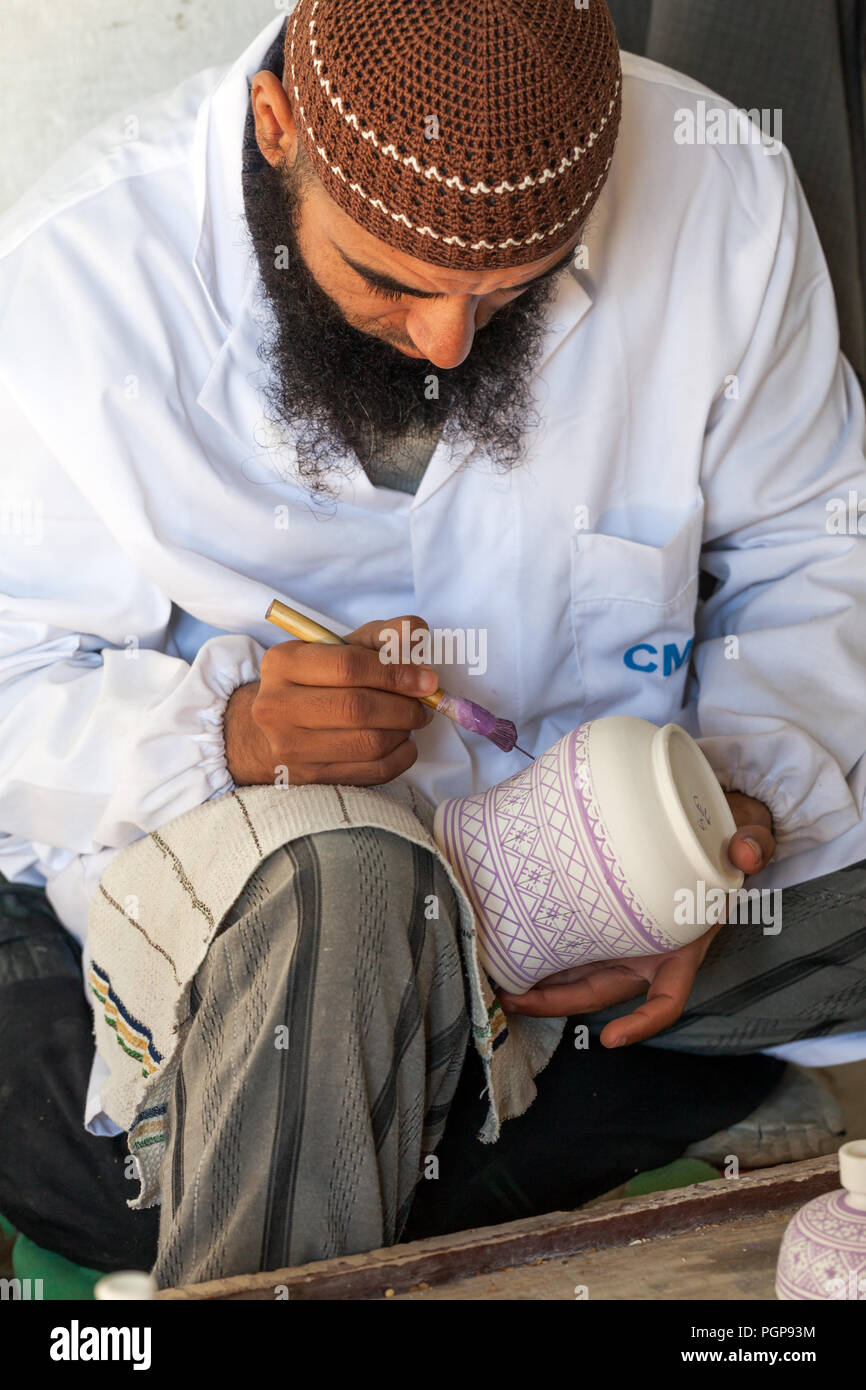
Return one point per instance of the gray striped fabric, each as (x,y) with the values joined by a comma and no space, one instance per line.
(327,1035)
(757,989)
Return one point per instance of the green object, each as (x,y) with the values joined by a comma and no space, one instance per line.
(61,1279)
(7,1228)
(680,1173)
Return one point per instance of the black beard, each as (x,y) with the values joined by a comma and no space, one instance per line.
(336,392)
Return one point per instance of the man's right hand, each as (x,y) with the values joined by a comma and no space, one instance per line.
(328,713)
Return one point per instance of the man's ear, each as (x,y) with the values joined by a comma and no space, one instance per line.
(276,131)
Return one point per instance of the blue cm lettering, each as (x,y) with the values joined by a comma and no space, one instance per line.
(639,657)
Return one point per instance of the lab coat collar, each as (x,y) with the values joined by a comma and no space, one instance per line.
(572,303)
(225,266)
(222,257)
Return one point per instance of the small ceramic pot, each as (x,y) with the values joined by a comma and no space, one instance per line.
(586,854)
(823,1254)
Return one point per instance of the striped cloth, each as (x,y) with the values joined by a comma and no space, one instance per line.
(328,1033)
(161,902)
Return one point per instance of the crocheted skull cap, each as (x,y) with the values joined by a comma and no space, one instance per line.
(473,134)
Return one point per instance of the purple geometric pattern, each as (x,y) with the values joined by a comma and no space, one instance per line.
(653,936)
(823,1254)
(535,858)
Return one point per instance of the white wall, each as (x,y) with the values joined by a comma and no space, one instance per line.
(67,64)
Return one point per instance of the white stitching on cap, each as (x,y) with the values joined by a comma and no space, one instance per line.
(455,240)
(431,172)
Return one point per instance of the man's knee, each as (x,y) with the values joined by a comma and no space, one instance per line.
(337,913)
(351,874)
(377,865)
(336,935)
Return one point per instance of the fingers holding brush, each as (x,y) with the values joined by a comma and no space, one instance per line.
(328,714)
(403,644)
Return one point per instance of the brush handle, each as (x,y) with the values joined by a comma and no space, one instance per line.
(299,625)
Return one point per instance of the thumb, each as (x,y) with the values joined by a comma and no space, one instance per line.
(751,848)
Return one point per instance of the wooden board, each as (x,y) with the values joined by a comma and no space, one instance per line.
(727,1262)
(453,1260)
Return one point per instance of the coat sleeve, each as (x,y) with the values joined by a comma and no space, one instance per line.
(780,648)
(105,731)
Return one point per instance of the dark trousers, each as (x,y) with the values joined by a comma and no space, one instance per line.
(64,1188)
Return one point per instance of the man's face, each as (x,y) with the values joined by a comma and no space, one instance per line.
(424,311)
(368,343)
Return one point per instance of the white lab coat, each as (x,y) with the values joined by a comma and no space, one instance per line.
(693,404)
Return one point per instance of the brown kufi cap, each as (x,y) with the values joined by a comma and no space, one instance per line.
(473,134)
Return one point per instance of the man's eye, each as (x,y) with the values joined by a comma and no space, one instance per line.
(383,293)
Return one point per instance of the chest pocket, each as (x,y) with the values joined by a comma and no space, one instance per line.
(633,612)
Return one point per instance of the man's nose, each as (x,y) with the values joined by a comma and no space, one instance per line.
(443,329)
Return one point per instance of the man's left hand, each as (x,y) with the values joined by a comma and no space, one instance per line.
(667,978)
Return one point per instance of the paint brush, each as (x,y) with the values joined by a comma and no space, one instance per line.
(466,713)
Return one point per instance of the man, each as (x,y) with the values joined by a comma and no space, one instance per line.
(409,313)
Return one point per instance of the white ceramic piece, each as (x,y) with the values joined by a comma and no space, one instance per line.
(591,852)
(823,1252)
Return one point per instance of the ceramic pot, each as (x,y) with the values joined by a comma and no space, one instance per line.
(823,1254)
(585,854)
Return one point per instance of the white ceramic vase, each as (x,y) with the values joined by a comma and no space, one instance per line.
(823,1253)
(592,851)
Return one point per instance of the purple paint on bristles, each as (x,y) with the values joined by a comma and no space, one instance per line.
(479,721)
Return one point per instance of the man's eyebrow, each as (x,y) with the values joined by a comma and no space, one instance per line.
(385,282)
